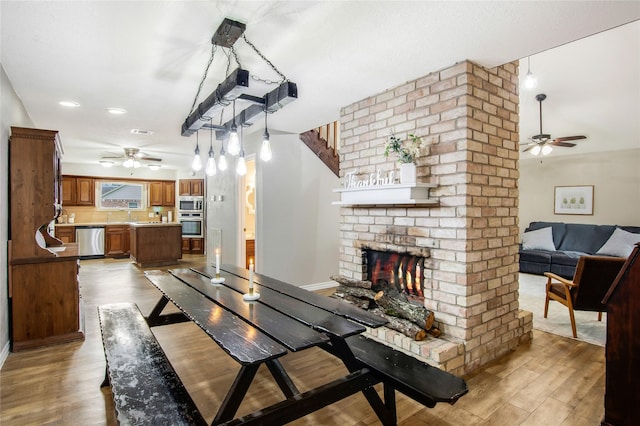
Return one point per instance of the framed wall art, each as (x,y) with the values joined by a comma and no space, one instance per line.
(573,200)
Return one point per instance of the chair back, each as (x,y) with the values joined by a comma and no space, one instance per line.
(594,275)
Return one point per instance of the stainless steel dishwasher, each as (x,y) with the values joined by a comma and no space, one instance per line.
(90,241)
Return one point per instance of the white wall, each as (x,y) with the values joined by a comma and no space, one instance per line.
(115,171)
(615,176)
(296,225)
(12,113)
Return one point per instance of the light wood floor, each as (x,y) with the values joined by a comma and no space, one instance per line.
(552,381)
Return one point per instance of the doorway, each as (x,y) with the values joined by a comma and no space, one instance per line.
(247,208)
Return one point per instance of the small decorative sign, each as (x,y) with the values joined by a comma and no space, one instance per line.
(374,179)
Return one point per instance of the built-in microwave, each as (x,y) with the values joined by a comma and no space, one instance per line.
(190,203)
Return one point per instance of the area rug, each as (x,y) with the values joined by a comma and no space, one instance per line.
(590,330)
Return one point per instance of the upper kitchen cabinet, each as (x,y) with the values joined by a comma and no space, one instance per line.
(162,193)
(78,191)
(191,187)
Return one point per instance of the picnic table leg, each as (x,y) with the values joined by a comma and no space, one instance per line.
(155,319)
(385,412)
(234,397)
(282,378)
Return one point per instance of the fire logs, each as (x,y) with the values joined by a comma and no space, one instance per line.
(408,318)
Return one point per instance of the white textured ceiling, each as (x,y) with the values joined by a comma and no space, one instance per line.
(149,57)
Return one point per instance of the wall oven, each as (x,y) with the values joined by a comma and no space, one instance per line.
(190,204)
(192,225)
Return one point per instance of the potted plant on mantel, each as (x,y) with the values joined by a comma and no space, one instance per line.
(407,152)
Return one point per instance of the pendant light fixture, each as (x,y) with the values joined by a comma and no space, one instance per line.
(211,162)
(241,167)
(222,162)
(265,150)
(234,144)
(196,164)
(530,80)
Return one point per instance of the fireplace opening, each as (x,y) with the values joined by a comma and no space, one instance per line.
(402,272)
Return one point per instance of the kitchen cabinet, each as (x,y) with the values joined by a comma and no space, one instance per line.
(193,245)
(162,193)
(78,191)
(44,294)
(191,187)
(66,234)
(116,241)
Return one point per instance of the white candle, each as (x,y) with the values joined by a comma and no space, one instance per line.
(217,261)
(251,276)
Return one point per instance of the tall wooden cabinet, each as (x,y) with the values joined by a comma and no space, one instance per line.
(43,276)
(622,390)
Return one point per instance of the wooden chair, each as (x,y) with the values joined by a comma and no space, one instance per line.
(593,277)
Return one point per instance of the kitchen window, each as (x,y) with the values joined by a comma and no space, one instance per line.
(121,196)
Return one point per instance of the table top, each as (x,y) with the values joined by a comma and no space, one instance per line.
(284,318)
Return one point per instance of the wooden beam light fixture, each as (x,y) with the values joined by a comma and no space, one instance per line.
(235,87)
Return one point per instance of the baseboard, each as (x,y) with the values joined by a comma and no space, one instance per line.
(320,286)
(4,354)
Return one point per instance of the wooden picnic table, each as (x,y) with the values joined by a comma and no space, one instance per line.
(286,319)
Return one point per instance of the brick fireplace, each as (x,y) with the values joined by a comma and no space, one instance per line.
(468,117)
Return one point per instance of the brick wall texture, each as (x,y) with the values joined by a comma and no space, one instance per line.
(467,116)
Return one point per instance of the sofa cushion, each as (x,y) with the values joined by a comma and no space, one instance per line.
(619,244)
(585,238)
(538,256)
(566,257)
(541,239)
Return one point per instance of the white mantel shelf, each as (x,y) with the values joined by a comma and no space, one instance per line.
(415,194)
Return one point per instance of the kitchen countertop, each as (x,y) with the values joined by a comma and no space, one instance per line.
(119,223)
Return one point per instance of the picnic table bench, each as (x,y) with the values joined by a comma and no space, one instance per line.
(285,319)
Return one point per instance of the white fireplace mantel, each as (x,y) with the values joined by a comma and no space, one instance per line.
(414,194)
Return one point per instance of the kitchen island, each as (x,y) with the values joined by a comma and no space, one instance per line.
(155,244)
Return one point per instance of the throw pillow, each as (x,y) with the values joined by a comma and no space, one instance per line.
(620,243)
(540,239)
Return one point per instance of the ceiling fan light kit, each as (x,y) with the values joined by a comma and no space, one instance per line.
(541,143)
(235,87)
(132,158)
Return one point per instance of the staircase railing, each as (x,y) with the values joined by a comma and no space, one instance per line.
(324,141)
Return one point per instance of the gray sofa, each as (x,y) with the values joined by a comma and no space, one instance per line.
(571,240)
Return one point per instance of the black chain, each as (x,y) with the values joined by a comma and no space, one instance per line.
(204,77)
(273,67)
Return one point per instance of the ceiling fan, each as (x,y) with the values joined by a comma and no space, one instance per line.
(540,142)
(132,157)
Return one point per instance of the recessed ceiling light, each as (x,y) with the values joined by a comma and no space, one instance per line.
(106,163)
(154,166)
(69,104)
(141,132)
(117,110)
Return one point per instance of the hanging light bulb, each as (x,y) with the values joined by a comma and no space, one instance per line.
(234,143)
(546,150)
(265,150)
(530,80)
(222,162)
(197,161)
(241,167)
(536,150)
(211,162)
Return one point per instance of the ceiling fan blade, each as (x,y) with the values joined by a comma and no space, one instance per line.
(151,159)
(529,147)
(558,143)
(569,138)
